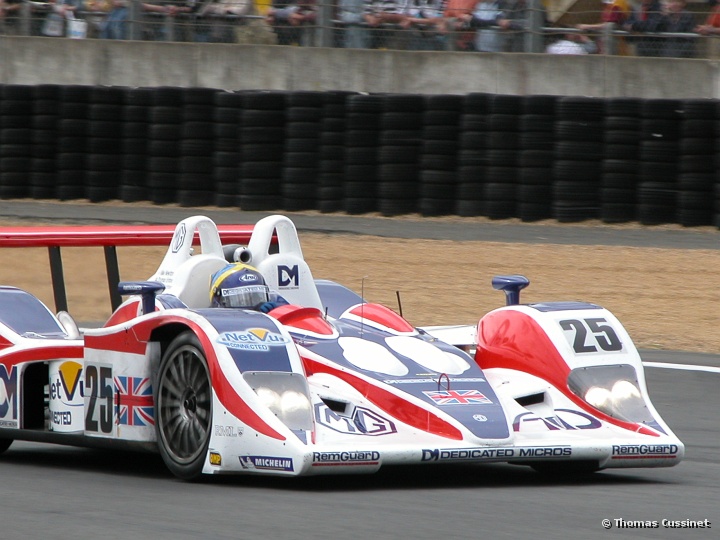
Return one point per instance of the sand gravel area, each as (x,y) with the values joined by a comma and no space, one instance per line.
(666,298)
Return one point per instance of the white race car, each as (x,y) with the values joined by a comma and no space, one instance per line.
(327,384)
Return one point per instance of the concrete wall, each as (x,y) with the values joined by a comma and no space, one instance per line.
(35,60)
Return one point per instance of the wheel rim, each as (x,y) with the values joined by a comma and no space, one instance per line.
(184,405)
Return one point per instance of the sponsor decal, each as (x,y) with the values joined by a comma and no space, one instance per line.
(134,400)
(267,463)
(215,459)
(480,417)
(8,393)
(67,383)
(228,431)
(179,238)
(254,339)
(553,451)
(129,288)
(566,419)
(288,276)
(363,421)
(426,381)
(66,393)
(322,459)
(61,418)
(473,454)
(457,397)
(644,451)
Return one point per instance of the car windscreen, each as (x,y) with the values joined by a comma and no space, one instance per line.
(26,315)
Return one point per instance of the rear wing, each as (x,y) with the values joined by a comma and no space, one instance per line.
(106,236)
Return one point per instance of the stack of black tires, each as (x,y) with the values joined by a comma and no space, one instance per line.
(569,158)
(619,181)
(362,123)
(578,155)
(262,149)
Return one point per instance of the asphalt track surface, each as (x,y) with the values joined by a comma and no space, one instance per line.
(68,493)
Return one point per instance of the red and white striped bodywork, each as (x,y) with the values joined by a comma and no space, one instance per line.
(357,386)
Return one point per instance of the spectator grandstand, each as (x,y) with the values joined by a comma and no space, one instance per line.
(524,25)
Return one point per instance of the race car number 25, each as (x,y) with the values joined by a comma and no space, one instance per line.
(99,399)
(591,335)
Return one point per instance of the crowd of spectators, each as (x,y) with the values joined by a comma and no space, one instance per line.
(641,27)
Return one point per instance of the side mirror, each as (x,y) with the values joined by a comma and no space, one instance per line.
(511,286)
(146,289)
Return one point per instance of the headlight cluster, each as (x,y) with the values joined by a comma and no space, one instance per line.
(286,395)
(613,390)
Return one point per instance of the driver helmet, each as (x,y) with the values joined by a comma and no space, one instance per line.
(238,285)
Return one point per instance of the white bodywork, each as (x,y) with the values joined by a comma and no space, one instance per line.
(367,389)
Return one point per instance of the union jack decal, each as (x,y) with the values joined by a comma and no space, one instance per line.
(457,397)
(134,401)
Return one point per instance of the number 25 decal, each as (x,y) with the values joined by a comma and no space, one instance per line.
(98,399)
(600,332)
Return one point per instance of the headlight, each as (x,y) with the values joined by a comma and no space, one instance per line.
(269,397)
(286,395)
(624,390)
(598,397)
(613,390)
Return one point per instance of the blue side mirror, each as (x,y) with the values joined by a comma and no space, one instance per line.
(146,289)
(511,286)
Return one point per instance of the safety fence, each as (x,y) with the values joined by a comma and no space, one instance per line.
(509,26)
(500,156)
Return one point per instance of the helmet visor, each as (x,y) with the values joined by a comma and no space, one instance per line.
(246,297)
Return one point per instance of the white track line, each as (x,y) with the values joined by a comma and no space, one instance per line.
(686,367)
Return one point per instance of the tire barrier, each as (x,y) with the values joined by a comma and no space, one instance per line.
(568,158)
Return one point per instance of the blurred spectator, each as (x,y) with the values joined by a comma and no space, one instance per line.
(352,14)
(115,24)
(217,20)
(617,13)
(289,17)
(421,24)
(518,14)
(678,20)
(54,23)
(573,43)
(60,10)
(69,8)
(488,19)
(10,17)
(383,13)
(646,18)
(711,26)
(96,13)
(454,10)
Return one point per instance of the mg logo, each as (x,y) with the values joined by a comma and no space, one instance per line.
(8,391)
(179,238)
(363,421)
(288,276)
(564,419)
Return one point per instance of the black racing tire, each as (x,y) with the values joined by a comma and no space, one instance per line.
(183,407)
(5,444)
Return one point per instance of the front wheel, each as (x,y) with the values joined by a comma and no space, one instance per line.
(183,407)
